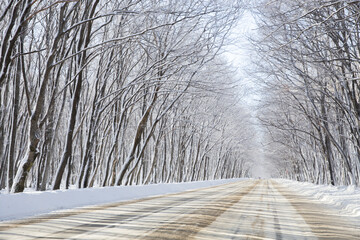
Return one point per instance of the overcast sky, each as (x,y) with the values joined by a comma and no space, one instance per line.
(239,54)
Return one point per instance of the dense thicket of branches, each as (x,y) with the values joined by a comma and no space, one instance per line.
(310,64)
(100,93)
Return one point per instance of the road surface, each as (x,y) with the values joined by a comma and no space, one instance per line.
(252,209)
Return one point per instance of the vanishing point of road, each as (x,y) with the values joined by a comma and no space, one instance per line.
(251,209)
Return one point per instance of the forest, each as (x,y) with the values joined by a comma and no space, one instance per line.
(308,64)
(123,92)
(105,93)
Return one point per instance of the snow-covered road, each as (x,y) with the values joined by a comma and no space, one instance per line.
(250,209)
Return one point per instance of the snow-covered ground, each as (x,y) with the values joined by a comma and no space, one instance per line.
(32,203)
(346,199)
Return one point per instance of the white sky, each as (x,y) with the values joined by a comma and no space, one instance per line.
(239,54)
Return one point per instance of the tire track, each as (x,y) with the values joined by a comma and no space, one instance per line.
(261,214)
(192,223)
(324,222)
(277,225)
(133,215)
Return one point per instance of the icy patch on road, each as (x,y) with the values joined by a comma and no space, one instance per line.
(31,203)
(344,198)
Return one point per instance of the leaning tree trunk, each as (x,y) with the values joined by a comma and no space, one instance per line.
(34,129)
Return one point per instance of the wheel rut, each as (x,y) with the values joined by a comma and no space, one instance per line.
(192,223)
(325,223)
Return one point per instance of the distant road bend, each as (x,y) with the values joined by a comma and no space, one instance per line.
(252,209)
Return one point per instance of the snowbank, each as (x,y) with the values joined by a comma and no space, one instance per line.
(344,198)
(21,205)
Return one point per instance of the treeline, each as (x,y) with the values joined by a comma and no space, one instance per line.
(309,62)
(103,93)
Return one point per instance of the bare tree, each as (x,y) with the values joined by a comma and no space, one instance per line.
(310,51)
(94,93)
